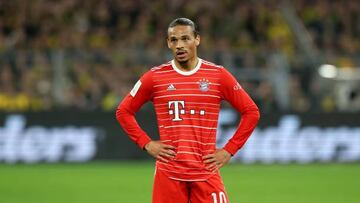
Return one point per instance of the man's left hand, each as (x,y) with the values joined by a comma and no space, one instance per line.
(216,160)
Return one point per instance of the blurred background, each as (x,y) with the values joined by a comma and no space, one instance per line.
(66,64)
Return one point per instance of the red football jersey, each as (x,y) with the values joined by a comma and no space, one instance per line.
(187,105)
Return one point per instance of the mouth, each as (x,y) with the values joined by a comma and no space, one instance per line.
(181,54)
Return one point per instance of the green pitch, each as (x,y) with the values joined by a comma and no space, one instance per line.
(131,183)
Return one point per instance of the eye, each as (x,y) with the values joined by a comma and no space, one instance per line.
(186,38)
(173,40)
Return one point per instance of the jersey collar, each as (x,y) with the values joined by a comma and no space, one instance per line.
(197,67)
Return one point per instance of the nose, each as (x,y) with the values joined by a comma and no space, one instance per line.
(179,44)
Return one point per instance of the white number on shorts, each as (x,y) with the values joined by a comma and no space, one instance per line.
(222,197)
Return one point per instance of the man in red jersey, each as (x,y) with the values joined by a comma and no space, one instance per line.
(186,93)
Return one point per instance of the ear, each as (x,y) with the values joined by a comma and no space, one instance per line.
(168,42)
(197,40)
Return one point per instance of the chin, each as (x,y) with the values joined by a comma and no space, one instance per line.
(182,60)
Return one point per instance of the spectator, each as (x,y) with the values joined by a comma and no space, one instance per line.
(113,35)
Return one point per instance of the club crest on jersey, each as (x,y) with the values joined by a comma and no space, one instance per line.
(204,85)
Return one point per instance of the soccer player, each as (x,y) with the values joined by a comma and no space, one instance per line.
(186,93)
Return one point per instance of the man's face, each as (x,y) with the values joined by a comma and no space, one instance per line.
(183,43)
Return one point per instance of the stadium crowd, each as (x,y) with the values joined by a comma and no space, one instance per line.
(87,54)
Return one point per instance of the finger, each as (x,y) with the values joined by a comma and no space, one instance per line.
(215,169)
(170,152)
(219,165)
(210,160)
(208,156)
(211,167)
(166,154)
(165,146)
(161,158)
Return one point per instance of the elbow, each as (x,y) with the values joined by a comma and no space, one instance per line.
(253,112)
(257,114)
(124,111)
(121,113)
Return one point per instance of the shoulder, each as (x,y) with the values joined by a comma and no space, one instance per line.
(211,65)
(223,72)
(162,67)
(206,65)
(148,75)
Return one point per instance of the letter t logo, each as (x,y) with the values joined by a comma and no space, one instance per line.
(176,110)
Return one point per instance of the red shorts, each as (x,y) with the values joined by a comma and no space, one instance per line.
(166,190)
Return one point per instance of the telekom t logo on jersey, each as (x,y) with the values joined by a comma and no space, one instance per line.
(177,108)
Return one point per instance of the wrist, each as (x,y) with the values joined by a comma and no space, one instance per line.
(231,148)
(146,146)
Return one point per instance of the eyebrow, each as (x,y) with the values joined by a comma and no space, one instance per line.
(173,36)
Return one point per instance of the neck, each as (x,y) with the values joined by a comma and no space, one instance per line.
(188,65)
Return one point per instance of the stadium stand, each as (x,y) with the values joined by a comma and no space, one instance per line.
(87,54)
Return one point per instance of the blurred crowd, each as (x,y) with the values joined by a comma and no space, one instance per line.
(87,54)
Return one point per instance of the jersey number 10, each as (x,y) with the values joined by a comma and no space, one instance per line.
(221,197)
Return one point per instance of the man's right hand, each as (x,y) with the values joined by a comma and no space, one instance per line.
(160,151)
